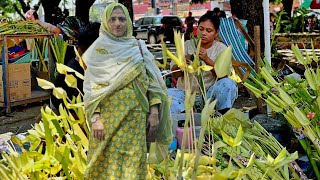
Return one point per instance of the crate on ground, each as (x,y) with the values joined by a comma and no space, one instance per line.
(19,81)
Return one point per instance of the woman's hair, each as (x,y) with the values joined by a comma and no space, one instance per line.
(35,15)
(222,14)
(31,14)
(117,7)
(214,19)
(216,10)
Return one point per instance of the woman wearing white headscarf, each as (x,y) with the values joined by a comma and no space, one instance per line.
(122,85)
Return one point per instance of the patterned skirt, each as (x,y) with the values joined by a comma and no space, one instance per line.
(124,153)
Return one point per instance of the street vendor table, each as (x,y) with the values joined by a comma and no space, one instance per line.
(284,41)
(290,59)
(36,95)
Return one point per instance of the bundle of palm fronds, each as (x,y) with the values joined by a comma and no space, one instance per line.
(298,100)
(21,27)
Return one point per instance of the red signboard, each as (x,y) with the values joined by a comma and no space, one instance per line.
(206,5)
(164,4)
(140,9)
(315,4)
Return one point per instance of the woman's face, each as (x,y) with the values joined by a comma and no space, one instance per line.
(118,22)
(29,15)
(208,32)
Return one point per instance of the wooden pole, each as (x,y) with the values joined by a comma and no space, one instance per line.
(257,59)
(257,48)
(5,69)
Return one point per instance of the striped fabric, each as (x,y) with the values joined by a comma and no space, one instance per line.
(230,35)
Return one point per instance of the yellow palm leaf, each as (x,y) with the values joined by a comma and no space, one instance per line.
(223,63)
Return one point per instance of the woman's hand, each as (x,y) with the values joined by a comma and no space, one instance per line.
(205,58)
(153,123)
(177,72)
(203,55)
(189,59)
(97,127)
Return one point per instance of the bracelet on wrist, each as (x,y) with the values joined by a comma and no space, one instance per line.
(95,119)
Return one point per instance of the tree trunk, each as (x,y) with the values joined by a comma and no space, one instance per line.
(287,6)
(128,5)
(52,12)
(25,7)
(16,8)
(252,11)
(83,8)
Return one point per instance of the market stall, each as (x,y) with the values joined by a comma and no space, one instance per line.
(24,56)
(284,42)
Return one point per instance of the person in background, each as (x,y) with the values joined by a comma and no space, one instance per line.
(124,94)
(243,40)
(32,15)
(223,14)
(224,90)
(87,35)
(216,11)
(66,13)
(272,23)
(189,21)
(70,28)
(57,16)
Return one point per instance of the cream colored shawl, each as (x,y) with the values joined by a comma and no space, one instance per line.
(111,65)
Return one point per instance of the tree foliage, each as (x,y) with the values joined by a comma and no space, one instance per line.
(5,7)
(9,7)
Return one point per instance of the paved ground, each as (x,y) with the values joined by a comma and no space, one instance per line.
(20,119)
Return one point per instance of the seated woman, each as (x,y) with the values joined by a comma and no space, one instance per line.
(224,90)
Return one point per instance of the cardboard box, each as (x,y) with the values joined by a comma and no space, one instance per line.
(19,81)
